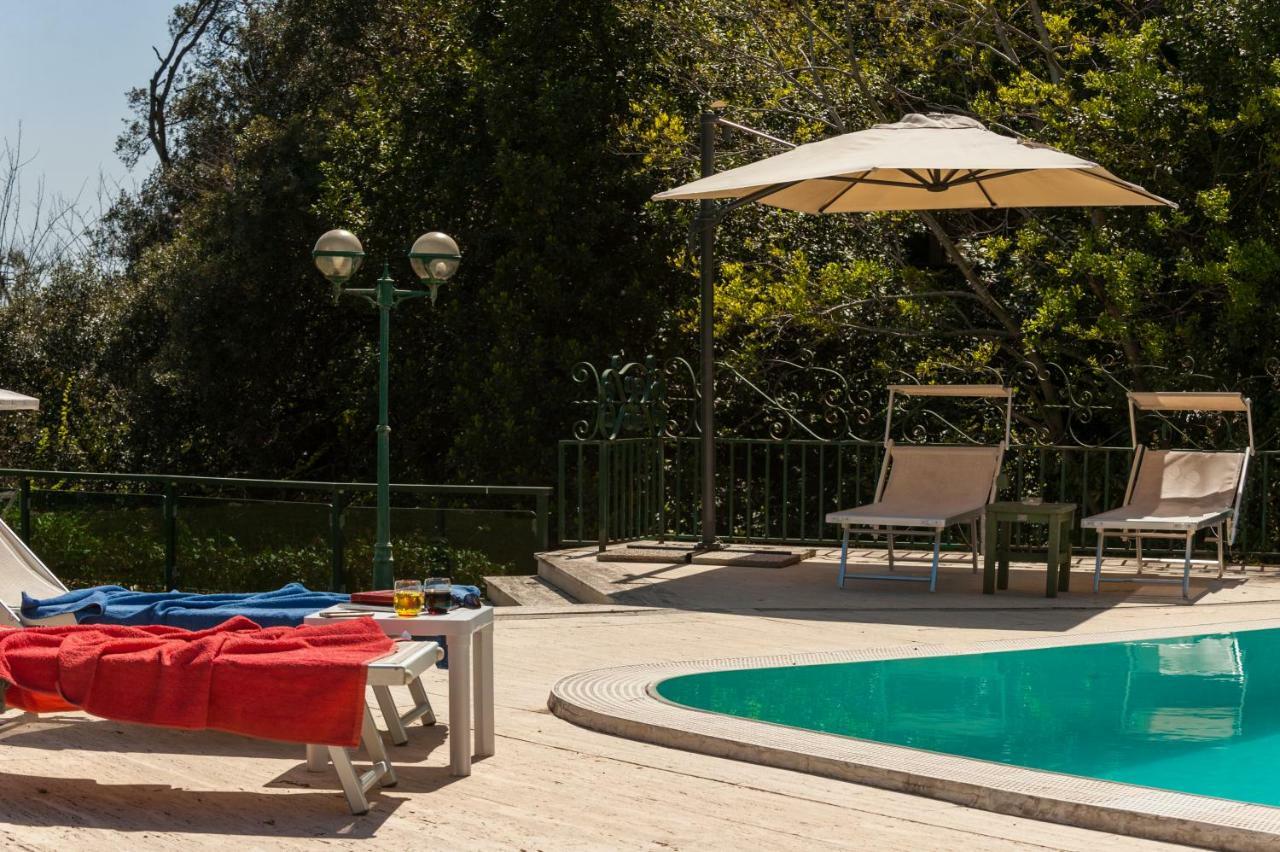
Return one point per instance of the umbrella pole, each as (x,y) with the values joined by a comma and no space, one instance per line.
(707,213)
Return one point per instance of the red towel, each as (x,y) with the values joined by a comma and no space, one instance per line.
(298,684)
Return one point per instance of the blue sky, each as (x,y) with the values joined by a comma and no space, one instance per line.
(65,66)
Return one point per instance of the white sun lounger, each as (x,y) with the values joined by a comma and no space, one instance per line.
(923,489)
(405,665)
(1173,494)
(22,571)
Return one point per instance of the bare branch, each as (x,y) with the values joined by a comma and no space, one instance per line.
(191,24)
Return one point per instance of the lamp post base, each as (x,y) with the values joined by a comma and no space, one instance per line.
(383,567)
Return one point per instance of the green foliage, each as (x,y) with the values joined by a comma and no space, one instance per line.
(535,131)
(1180,97)
(86,548)
(496,122)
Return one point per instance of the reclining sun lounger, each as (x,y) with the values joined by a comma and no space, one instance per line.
(22,571)
(403,665)
(193,688)
(923,489)
(1173,494)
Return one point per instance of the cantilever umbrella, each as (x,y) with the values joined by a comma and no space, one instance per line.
(923,162)
(10,401)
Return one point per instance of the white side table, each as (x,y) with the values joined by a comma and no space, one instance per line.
(469,636)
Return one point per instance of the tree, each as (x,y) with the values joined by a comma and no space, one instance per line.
(1176,96)
(494,121)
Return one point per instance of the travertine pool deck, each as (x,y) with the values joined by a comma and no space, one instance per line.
(74,782)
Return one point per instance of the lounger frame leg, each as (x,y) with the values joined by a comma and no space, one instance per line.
(890,536)
(973,540)
(1186,567)
(844,557)
(387,704)
(354,785)
(422,708)
(317,758)
(1097,564)
(933,572)
(1222,561)
(1139,541)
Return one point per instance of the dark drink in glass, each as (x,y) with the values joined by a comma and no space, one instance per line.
(438,594)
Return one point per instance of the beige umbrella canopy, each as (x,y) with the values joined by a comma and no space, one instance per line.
(10,401)
(923,162)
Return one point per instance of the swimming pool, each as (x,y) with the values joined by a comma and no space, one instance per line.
(1196,714)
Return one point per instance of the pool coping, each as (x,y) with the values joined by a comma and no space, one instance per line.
(621,701)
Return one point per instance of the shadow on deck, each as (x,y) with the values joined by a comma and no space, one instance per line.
(808,589)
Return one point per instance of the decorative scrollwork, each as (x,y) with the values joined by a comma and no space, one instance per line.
(801,398)
(631,399)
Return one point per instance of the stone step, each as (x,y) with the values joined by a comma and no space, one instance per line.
(524,590)
(568,582)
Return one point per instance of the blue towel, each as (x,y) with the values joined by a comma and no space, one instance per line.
(284,607)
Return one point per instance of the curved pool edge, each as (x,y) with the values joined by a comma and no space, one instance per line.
(621,701)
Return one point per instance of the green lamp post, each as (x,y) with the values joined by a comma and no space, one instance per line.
(434,258)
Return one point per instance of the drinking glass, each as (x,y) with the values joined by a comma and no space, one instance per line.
(439,594)
(408,598)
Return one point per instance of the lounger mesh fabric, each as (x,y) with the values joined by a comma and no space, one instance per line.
(929,486)
(1179,488)
(19,574)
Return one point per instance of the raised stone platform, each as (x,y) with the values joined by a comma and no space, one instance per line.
(618,577)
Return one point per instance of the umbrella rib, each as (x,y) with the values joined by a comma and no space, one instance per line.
(978,182)
(852,182)
(1116,182)
(914,175)
(976,175)
(758,195)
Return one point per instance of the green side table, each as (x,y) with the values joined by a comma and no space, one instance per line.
(1000,518)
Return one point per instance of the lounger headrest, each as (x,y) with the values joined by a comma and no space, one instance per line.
(1204,477)
(947,475)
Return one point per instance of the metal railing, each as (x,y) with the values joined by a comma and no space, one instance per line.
(324,511)
(779,491)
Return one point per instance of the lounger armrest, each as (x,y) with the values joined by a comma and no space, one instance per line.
(404,665)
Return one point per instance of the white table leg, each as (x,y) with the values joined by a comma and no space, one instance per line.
(484,692)
(460,705)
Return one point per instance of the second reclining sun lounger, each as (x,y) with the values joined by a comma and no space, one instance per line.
(1173,494)
(924,489)
(291,684)
(21,571)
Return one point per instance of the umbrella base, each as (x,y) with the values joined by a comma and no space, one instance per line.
(749,555)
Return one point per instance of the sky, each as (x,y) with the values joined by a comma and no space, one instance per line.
(65,66)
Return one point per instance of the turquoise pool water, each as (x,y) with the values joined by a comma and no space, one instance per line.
(1197,714)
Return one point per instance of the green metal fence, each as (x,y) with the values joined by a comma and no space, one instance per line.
(779,491)
(218,533)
